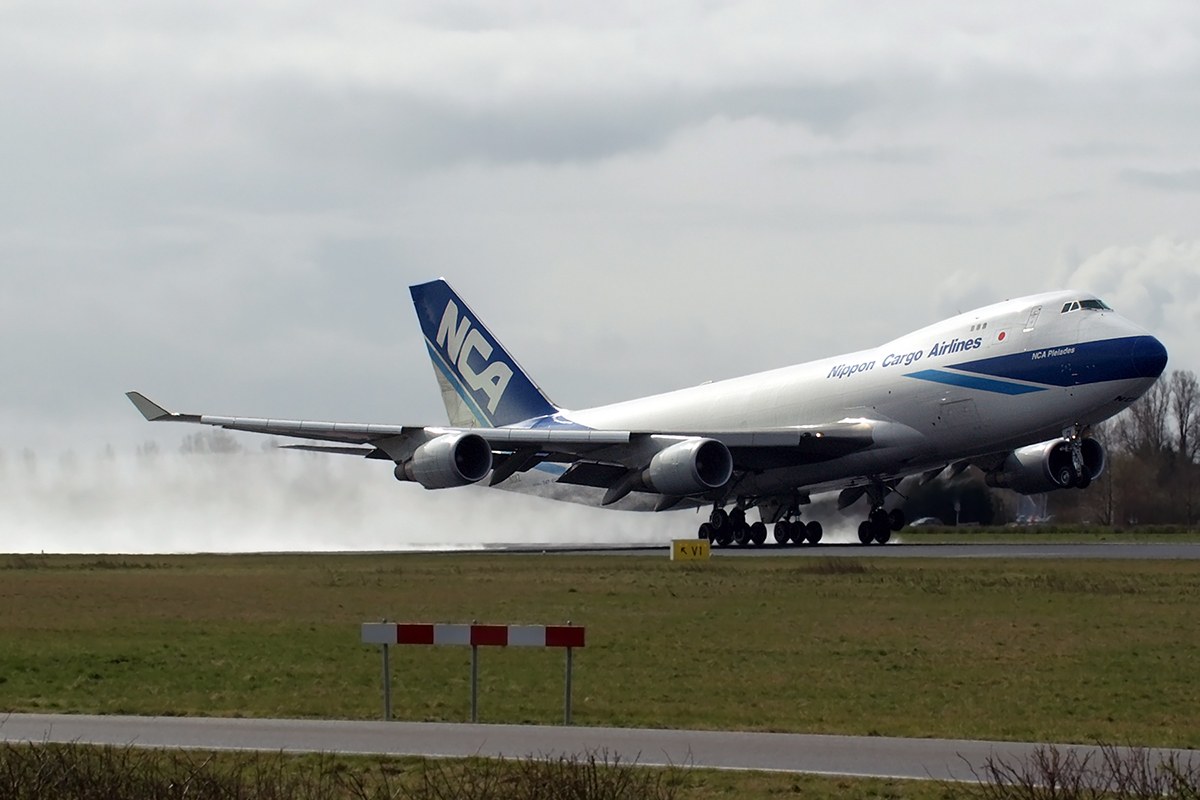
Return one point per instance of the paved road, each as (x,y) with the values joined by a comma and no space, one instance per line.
(947,759)
(1116,550)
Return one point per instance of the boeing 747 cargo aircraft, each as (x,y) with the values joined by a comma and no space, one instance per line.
(1011,389)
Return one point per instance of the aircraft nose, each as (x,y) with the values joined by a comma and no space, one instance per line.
(1149,357)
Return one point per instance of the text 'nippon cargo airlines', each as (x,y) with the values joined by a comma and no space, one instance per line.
(1010,389)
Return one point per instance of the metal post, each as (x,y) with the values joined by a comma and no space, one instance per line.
(474,683)
(387,686)
(567,692)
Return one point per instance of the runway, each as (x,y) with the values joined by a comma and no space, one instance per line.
(1116,550)
(880,757)
(1098,550)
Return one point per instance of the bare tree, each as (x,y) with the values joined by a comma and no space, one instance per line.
(1143,427)
(1185,403)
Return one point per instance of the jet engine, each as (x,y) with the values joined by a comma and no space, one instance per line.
(453,459)
(689,467)
(1046,466)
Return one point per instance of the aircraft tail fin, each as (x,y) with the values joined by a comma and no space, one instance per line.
(482,385)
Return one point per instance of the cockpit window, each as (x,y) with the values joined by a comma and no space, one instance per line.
(1091,305)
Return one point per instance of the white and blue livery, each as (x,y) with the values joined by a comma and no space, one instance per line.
(1011,389)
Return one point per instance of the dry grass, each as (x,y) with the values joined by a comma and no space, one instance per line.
(1112,773)
(74,772)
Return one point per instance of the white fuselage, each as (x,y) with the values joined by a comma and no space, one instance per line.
(920,423)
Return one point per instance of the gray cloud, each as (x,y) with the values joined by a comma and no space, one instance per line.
(1100,149)
(890,155)
(1184,180)
(387,128)
(222,204)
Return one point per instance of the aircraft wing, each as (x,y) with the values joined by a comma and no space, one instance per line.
(355,433)
(751,450)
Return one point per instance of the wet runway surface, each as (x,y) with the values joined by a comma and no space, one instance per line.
(1116,550)
(874,756)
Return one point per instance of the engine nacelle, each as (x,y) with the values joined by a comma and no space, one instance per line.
(689,467)
(453,459)
(1047,466)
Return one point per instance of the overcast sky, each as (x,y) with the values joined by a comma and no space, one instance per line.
(221,204)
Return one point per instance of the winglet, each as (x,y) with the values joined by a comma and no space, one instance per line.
(150,410)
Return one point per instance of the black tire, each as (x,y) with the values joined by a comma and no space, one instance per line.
(866,532)
(896,519)
(878,518)
(1085,480)
(783,531)
(814,531)
(741,535)
(718,518)
(758,533)
(706,531)
(882,534)
(737,518)
(724,537)
(1066,476)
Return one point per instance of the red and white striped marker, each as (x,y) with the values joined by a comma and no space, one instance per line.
(473,635)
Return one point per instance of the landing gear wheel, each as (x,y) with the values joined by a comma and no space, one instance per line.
(737,518)
(718,518)
(783,531)
(741,535)
(896,519)
(758,533)
(706,531)
(814,531)
(866,533)
(1085,480)
(883,534)
(1067,476)
(878,518)
(724,537)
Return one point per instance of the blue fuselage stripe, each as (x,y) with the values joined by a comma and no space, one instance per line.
(1066,365)
(973,382)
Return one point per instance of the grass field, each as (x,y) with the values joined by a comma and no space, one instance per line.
(1026,650)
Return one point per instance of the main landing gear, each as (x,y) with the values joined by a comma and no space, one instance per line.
(879,525)
(726,528)
(790,528)
(797,531)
